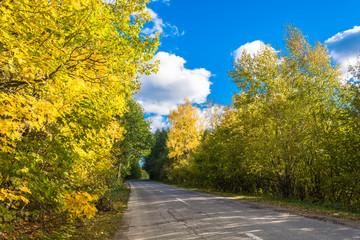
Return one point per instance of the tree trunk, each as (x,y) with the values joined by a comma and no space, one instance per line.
(119,173)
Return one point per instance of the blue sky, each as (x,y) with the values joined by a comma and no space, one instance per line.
(199,39)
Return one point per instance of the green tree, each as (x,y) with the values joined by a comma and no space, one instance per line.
(158,157)
(136,143)
(290,108)
(219,160)
(135,171)
(293,129)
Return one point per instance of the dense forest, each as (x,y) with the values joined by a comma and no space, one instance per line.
(69,127)
(292,130)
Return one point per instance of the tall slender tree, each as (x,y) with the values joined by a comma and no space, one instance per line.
(184,137)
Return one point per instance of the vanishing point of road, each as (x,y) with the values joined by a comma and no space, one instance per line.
(157,211)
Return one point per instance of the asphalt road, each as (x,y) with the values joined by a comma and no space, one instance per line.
(157,211)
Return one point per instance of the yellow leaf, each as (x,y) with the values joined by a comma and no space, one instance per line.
(25,189)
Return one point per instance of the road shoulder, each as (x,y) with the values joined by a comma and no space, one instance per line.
(258,203)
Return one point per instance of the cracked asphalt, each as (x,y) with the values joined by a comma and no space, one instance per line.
(157,211)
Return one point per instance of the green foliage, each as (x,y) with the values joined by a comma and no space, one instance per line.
(135,144)
(135,172)
(293,131)
(158,157)
(144,174)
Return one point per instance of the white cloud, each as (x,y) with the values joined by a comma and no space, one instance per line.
(158,122)
(164,1)
(159,26)
(211,116)
(344,48)
(251,48)
(163,91)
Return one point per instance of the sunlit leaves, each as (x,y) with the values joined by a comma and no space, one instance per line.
(183,138)
(78,205)
(67,71)
(285,104)
(293,130)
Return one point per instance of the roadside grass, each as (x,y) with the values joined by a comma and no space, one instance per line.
(322,208)
(108,219)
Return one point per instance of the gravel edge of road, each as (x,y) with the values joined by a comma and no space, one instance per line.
(283,209)
(123,230)
(301,212)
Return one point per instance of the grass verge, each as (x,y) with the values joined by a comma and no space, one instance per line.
(109,218)
(328,211)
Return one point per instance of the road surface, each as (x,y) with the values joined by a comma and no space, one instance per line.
(157,211)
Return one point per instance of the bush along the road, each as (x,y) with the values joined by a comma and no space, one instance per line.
(108,220)
(292,130)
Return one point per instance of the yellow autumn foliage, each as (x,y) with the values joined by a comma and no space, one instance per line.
(67,70)
(12,197)
(80,205)
(185,134)
(184,137)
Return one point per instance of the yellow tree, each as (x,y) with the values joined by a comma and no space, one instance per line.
(67,68)
(184,137)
